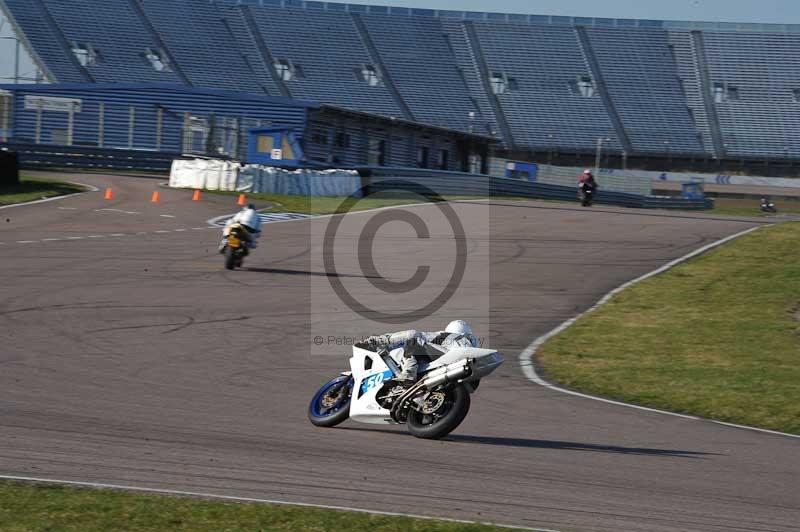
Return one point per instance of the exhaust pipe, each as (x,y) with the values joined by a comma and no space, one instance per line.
(446,374)
(437,377)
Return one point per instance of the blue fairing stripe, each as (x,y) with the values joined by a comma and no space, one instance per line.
(374,380)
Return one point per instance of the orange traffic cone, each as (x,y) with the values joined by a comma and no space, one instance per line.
(242,200)
(196,195)
(109,194)
(156,196)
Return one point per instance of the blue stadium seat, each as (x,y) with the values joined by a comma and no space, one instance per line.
(543,111)
(423,67)
(763,68)
(641,77)
(114,30)
(328,49)
(198,36)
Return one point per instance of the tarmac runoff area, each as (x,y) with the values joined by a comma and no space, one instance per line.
(138,361)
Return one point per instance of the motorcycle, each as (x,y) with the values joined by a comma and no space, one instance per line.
(431,408)
(586,195)
(768,206)
(235,249)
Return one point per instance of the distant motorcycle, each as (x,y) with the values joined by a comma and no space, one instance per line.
(431,408)
(235,249)
(768,206)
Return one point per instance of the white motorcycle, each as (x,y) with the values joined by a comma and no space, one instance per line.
(431,408)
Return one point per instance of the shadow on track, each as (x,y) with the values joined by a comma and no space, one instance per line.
(306,273)
(554,444)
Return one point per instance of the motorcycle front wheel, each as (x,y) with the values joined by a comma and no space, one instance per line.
(331,404)
(441,414)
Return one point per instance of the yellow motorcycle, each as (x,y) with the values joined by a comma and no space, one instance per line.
(235,249)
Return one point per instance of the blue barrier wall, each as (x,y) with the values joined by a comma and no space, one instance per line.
(451,183)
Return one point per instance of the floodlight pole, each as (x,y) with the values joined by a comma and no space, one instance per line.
(598,156)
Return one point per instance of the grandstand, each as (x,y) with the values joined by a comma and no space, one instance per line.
(538,84)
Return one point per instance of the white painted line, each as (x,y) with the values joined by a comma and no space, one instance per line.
(264,501)
(166,216)
(55,198)
(52,239)
(97,236)
(746,427)
(201,228)
(526,356)
(68,208)
(117,234)
(74,238)
(179,230)
(142,233)
(27,241)
(161,231)
(132,212)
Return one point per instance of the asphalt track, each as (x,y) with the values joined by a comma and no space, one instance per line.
(137,360)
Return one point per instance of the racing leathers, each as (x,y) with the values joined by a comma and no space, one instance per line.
(413,343)
(249,219)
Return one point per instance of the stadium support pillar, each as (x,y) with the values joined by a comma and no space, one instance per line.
(38,135)
(131,125)
(101,118)
(598,156)
(159,127)
(16,61)
(185,146)
(70,124)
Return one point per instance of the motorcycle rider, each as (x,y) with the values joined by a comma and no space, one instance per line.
(586,183)
(458,333)
(249,219)
(767,206)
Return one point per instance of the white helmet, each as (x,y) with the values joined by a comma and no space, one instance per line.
(460,335)
(249,217)
(458,327)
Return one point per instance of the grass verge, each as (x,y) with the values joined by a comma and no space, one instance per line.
(26,507)
(33,189)
(752,207)
(330,204)
(716,337)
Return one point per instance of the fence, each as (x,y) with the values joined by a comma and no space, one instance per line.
(45,156)
(608,180)
(448,183)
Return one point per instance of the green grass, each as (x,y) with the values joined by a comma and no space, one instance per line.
(33,189)
(752,207)
(330,204)
(717,337)
(29,507)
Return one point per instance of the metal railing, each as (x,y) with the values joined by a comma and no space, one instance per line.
(46,156)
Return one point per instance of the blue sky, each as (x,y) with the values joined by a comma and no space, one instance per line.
(778,11)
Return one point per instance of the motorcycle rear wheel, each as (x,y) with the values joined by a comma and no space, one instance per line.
(230,258)
(445,420)
(326,410)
